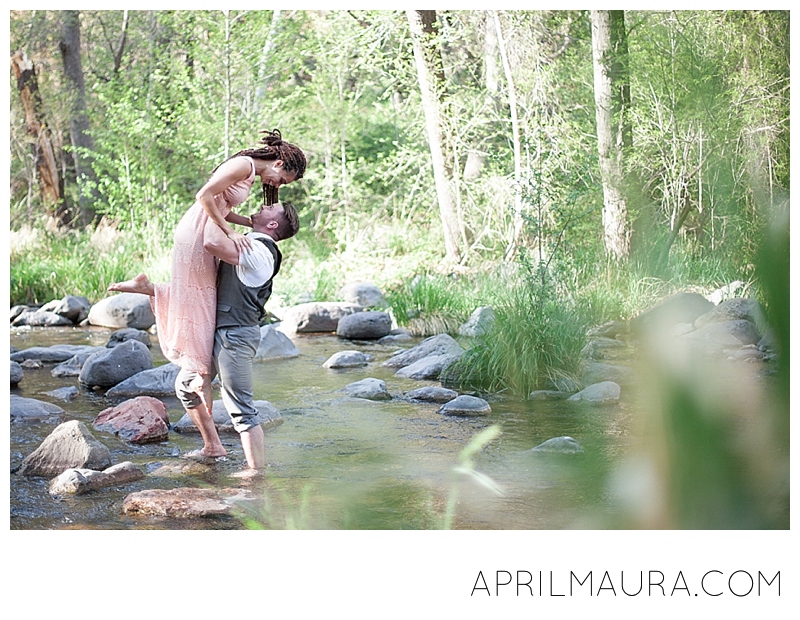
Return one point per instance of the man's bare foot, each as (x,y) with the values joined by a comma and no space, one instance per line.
(201,456)
(139,284)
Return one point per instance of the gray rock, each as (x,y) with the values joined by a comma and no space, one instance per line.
(65,393)
(16,373)
(109,367)
(443,344)
(40,318)
(603,392)
(431,394)
(78,481)
(17,310)
(427,368)
(595,372)
(728,333)
(396,335)
(269,417)
(724,292)
(316,317)
(70,445)
(123,310)
(559,445)
(186,502)
(599,348)
(479,322)
(465,405)
(30,409)
(370,389)
(72,367)
(548,395)
(731,310)
(678,308)
(128,333)
(73,308)
(56,353)
(346,359)
(159,381)
(610,329)
(364,294)
(368,325)
(274,344)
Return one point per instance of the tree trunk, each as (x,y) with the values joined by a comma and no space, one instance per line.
(50,182)
(512,104)
(609,115)
(432,109)
(70,46)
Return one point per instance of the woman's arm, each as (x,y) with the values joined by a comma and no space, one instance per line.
(235,218)
(230,172)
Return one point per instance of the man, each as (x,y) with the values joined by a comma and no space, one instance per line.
(244,283)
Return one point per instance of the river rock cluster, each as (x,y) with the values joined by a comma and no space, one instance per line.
(124,372)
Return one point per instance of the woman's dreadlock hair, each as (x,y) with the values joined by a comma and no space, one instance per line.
(294,160)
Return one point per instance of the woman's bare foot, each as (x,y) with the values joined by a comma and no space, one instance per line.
(139,284)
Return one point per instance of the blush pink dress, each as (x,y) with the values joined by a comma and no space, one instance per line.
(186,307)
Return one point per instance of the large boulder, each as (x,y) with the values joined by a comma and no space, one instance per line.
(364,294)
(678,308)
(77,481)
(158,381)
(70,445)
(123,310)
(369,325)
(268,416)
(139,420)
(30,409)
(316,317)
(185,502)
(274,345)
(443,344)
(479,322)
(109,367)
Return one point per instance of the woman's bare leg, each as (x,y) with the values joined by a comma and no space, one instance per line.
(139,284)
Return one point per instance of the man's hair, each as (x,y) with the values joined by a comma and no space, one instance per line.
(289,224)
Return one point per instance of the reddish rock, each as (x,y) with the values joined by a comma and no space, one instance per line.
(139,420)
(69,445)
(184,502)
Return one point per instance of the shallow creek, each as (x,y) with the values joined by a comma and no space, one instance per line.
(342,463)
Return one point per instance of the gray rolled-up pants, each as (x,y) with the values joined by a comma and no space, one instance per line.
(234,350)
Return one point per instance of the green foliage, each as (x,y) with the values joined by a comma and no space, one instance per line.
(535,339)
(432,304)
(49,266)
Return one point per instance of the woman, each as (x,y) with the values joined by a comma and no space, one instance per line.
(185,308)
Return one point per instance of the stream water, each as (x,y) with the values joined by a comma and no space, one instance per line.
(342,463)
